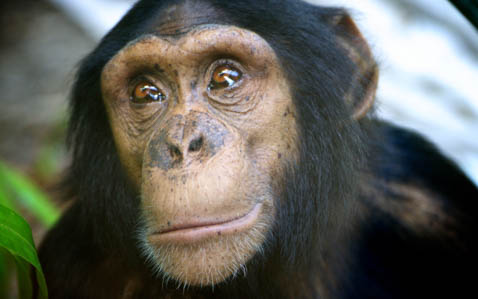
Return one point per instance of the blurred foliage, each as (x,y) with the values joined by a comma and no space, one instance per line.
(17,189)
(17,249)
(51,153)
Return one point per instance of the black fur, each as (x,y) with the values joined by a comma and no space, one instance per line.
(327,230)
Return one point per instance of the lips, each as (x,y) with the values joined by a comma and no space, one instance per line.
(190,232)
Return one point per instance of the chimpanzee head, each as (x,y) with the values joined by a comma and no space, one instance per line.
(226,128)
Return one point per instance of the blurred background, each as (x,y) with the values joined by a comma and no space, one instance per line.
(428,54)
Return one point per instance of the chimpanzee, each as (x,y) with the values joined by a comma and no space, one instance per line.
(229,149)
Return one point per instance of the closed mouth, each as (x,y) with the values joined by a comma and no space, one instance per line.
(201,230)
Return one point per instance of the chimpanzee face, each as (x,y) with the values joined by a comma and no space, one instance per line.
(201,120)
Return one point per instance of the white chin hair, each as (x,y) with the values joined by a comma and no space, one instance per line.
(204,263)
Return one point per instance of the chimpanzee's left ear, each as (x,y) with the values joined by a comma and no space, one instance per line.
(361,95)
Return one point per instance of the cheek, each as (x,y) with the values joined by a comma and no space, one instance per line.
(130,152)
(272,141)
(131,128)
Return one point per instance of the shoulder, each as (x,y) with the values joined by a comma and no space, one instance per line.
(418,218)
(412,179)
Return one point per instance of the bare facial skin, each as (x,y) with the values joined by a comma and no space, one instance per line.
(201,122)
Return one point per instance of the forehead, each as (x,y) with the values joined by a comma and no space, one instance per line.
(183,32)
(198,43)
(179,18)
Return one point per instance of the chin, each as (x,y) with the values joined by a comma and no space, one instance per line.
(207,255)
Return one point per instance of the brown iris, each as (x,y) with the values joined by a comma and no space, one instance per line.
(146,92)
(224,76)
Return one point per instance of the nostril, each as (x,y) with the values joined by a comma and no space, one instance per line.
(175,152)
(196,144)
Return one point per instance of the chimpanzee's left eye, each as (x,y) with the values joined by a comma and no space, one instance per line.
(224,76)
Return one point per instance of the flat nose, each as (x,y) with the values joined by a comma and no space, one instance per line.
(186,139)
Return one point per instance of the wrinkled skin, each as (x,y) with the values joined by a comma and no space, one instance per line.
(227,177)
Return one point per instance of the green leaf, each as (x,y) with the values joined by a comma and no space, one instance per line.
(16,238)
(27,194)
(25,284)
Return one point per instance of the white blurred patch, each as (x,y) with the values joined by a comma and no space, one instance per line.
(95,16)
